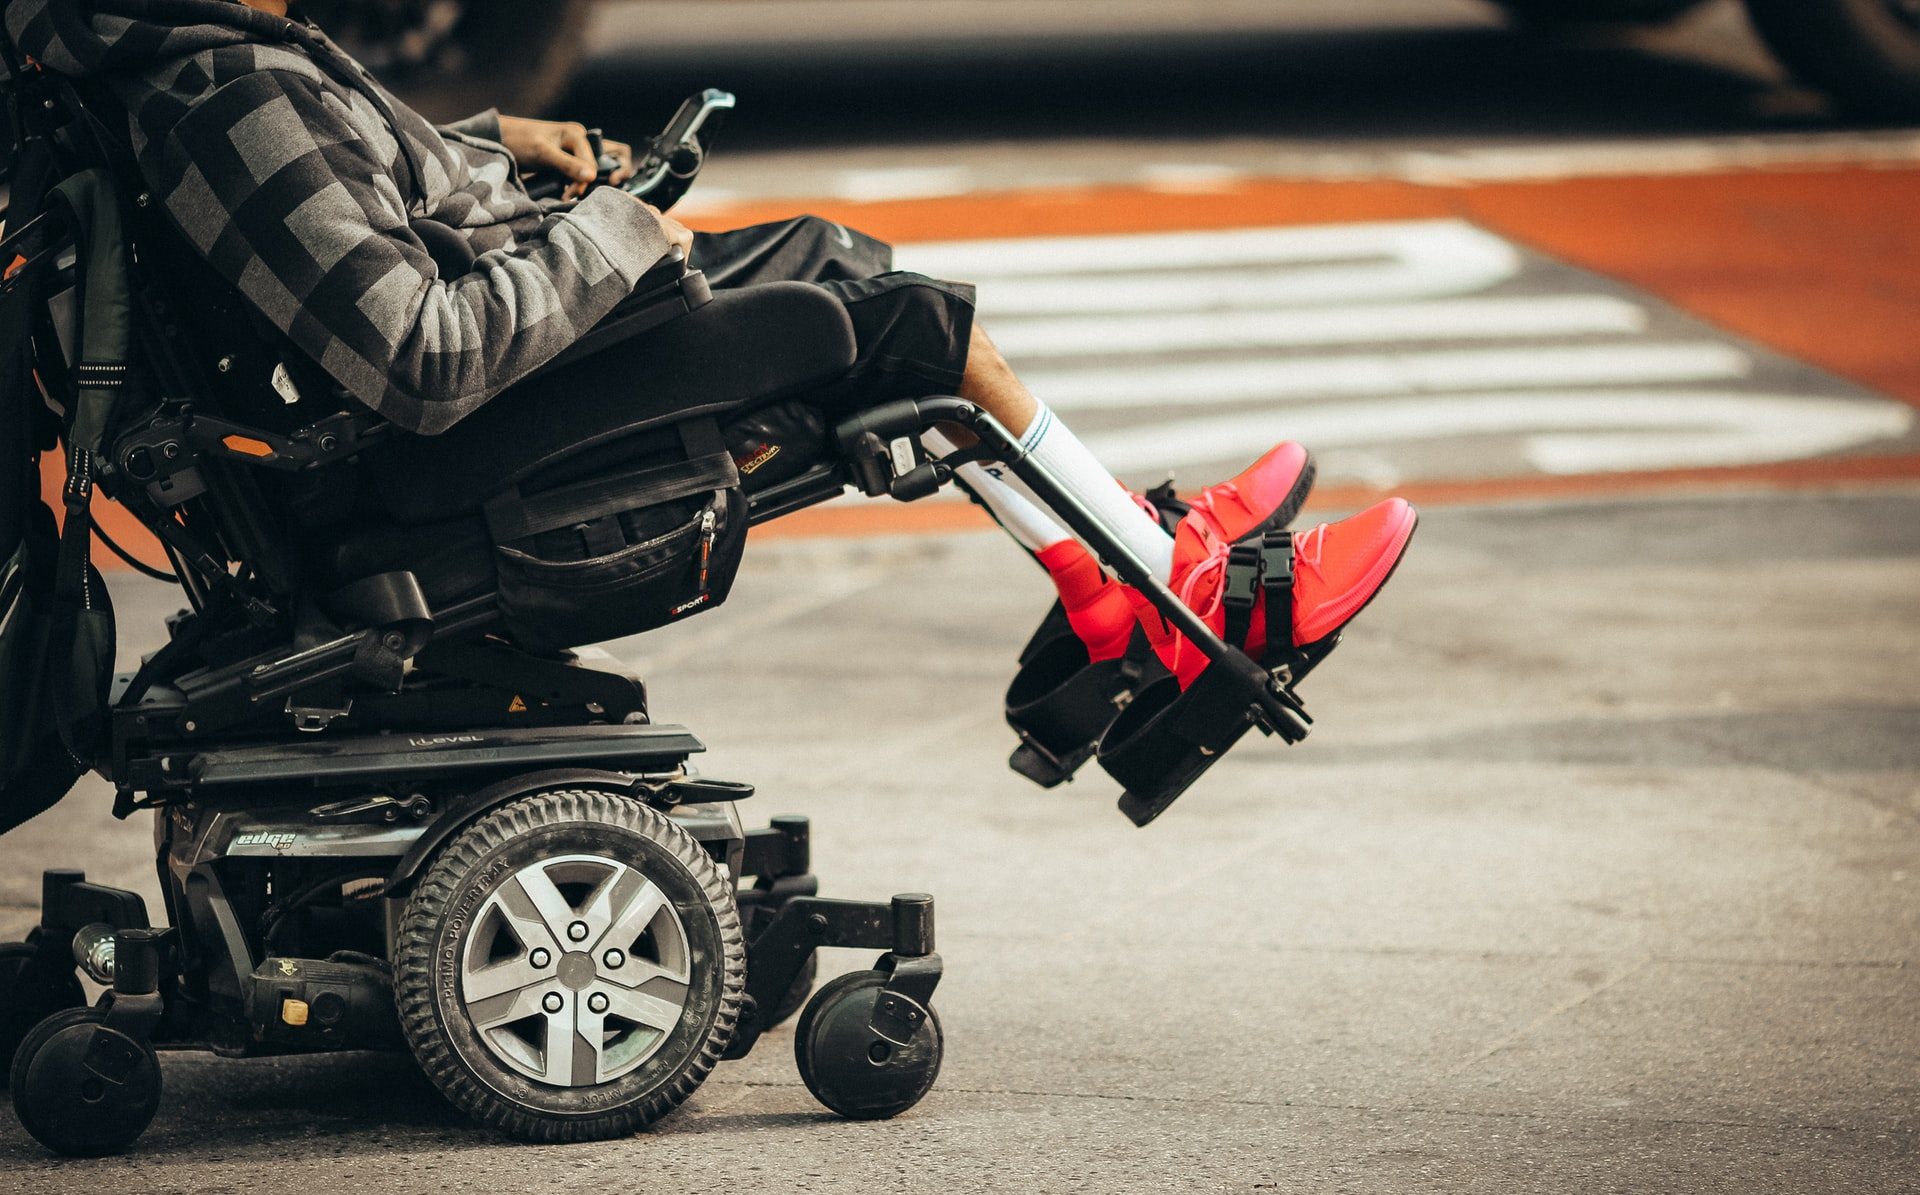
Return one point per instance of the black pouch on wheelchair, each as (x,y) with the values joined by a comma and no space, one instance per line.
(776,443)
(590,553)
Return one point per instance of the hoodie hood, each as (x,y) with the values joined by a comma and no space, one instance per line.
(92,38)
(120,41)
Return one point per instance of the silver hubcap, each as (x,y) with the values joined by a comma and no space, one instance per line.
(575,971)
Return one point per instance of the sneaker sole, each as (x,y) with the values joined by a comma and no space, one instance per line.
(1289,509)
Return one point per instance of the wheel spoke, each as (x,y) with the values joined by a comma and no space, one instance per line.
(655,1012)
(526,921)
(637,973)
(484,983)
(505,1008)
(570,1058)
(545,899)
(622,908)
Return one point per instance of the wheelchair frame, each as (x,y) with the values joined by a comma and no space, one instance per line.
(264,771)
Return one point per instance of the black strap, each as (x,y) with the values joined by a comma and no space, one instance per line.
(701,437)
(513,516)
(1258,569)
(1276,581)
(1243,589)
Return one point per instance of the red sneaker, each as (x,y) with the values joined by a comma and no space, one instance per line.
(1267,495)
(1337,569)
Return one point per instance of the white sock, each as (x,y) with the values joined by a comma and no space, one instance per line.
(1013,506)
(1053,444)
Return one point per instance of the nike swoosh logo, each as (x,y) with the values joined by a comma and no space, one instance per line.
(846,241)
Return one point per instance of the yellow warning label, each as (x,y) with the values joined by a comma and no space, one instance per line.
(517,706)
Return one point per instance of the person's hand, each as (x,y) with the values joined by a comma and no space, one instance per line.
(677,233)
(622,153)
(559,146)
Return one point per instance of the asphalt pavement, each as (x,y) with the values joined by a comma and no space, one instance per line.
(1596,874)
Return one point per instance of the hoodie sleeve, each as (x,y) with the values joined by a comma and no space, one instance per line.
(275,184)
(484,125)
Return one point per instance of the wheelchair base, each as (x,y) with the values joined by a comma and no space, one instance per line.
(255,964)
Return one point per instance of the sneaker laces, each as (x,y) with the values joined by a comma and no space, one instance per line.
(1213,566)
(1207,497)
(1308,547)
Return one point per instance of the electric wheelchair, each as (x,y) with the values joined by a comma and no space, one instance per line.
(399,801)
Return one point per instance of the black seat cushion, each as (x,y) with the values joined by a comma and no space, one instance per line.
(749,346)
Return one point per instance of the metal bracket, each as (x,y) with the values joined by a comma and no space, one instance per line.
(902,926)
(903,1003)
(313,719)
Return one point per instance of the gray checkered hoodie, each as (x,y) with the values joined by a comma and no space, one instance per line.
(298,177)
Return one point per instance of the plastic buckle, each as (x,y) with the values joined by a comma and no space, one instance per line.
(1246,564)
(1277,560)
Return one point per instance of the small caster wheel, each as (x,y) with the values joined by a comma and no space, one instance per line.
(850,1068)
(82,1089)
(797,994)
(30,992)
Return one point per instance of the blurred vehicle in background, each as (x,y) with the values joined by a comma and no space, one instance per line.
(452,57)
(1865,53)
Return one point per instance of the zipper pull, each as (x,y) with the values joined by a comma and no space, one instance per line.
(706,545)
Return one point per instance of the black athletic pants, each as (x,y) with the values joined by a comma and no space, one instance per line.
(911,331)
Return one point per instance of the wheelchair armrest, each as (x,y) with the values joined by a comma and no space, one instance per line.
(666,292)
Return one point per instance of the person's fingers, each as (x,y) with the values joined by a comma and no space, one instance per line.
(623,154)
(578,152)
(677,234)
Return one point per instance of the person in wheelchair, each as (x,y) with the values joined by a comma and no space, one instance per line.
(313,190)
(411,431)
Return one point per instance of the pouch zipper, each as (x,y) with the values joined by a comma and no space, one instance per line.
(707,521)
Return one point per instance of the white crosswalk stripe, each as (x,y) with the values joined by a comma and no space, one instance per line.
(1200,349)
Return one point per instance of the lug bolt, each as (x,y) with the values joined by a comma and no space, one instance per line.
(554,1002)
(577,931)
(540,958)
(614,960)
(597,1002)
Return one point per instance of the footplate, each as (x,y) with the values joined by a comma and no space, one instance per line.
(1165,740)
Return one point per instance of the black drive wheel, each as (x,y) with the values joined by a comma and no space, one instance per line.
(797,993)
(849,1067)
(84,1090)
(570,967)
(30,992)
(1865,52)
(1597,12)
